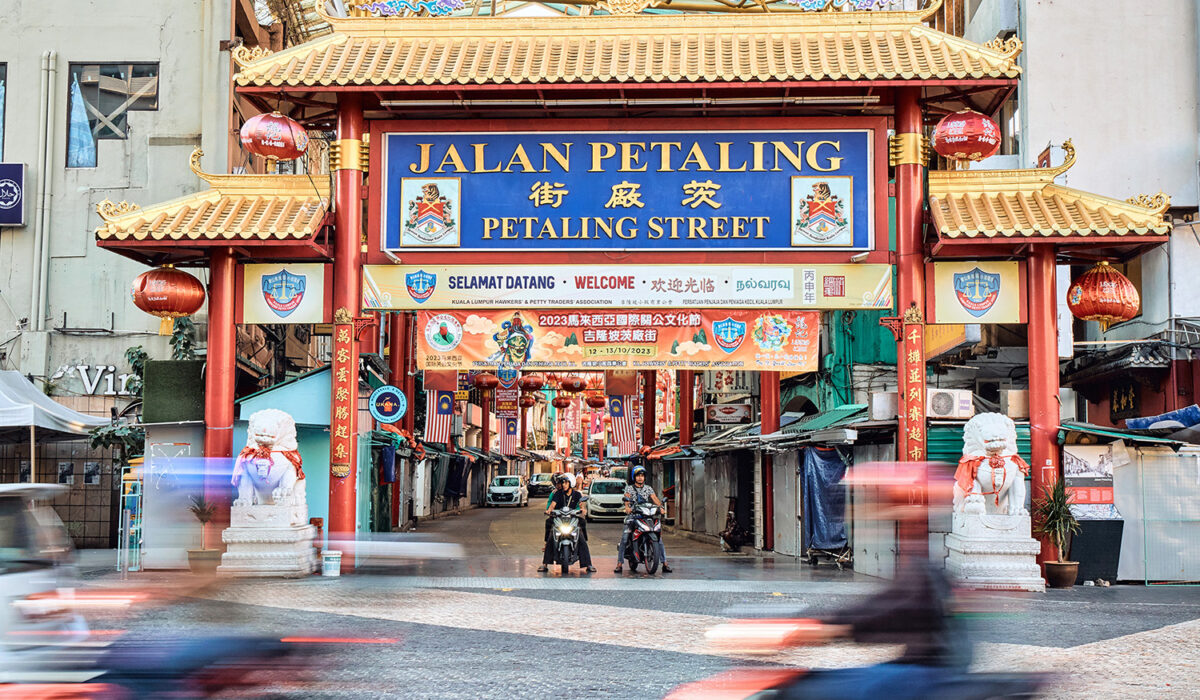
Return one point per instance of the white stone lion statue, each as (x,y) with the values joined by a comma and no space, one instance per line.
(268,470)
(991,475)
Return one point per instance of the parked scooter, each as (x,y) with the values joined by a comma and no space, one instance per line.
(642,547)
(564,531)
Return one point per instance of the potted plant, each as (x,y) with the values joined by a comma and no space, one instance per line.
(1054,519)
(203,560)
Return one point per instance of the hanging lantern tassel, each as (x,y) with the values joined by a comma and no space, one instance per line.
(166,326)
(1104,295)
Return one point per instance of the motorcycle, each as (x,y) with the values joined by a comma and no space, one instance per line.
(642,547)
(564,533)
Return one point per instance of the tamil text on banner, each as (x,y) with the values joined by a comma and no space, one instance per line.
(864,286)
(652,190)
(980,291)
(284,293)
(636,339)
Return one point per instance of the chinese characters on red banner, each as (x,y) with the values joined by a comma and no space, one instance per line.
(913,366)
(345,390)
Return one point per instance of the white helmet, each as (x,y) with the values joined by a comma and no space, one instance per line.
(570,479)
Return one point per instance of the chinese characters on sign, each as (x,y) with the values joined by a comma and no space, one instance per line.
(663,190)
(913,367)
(345,390)
(735,339)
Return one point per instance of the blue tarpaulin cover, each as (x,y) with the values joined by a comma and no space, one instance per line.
(824,498)
(1187,417)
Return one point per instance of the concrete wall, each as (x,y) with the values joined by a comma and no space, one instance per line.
(85,283)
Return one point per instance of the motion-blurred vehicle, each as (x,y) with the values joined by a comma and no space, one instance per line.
(606,500)
(36,572)
(642,546)
(506,491)
(541,484)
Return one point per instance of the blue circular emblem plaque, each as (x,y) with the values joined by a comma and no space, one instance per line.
(388,404)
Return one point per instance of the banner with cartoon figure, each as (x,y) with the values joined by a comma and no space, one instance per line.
(741,339)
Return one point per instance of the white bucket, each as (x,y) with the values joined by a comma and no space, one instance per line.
(331,563)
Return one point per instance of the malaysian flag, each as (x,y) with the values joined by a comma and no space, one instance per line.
(439,411)
(510,436)
(623,435)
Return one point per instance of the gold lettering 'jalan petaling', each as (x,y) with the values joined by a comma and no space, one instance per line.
(629,157)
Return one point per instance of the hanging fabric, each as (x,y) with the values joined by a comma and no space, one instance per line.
(387,464)
(824,498)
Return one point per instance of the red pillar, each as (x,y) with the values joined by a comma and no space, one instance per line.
(1043,376)
(687,395)
(524,430)
(219,382)
(649,388)
(769,415)
(346,294)
(910,271)
(485,436)
(397,333)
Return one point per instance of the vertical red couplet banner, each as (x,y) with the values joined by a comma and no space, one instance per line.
(914,392)
(345,391)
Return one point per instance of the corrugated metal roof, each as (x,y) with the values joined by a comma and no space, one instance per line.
(832,418)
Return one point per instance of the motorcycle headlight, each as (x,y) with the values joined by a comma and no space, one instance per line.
(566,529)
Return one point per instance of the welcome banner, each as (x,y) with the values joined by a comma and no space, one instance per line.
(631,339)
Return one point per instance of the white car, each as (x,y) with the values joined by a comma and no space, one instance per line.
(506,491)
(606,499)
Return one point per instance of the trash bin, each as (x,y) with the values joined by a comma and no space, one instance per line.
(331,563)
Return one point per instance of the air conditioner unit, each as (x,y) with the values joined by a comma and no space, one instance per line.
(950,403)
(1014,403)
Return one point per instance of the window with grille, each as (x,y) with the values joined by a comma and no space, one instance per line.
(101,97)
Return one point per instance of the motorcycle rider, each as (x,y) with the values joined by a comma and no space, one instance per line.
(567,497)
(639,492)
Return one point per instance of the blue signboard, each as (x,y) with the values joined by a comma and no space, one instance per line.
(12,194)
(388,404)
(650,190)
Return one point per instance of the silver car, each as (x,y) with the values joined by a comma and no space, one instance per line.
(506,491)
(606,499)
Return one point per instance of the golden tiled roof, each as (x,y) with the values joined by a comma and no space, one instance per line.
(990,204)
(236,207)
(629,49)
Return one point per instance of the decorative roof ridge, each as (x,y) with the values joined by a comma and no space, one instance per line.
(1010,179)
(253,183)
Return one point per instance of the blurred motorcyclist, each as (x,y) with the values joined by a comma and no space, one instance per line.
(638,492)
(567,497)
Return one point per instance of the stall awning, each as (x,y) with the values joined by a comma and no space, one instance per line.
(23,405)
(1092,373)
(999,205)
(262,209)
(769,47)
(1142,437)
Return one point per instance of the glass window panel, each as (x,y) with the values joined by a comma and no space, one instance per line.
(101,97)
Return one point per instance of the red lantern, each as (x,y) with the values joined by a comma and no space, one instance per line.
(274,136)
(531,382)
(560,402)
(486,381)
(1103,294)
(595,401)
(573,384)
(966,135)
(167,293)
(527,401)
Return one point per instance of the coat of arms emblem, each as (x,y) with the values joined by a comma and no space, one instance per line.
(821,215)
(283,291)
(420,285)
(977,290)
(431,216)
(729,333)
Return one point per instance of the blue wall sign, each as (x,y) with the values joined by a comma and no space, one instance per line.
(388,404)
(650,190)
(12,194)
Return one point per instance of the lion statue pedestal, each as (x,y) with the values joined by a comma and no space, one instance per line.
(990,544)
(269,533)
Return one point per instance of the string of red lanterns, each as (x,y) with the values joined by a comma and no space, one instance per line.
(966,135)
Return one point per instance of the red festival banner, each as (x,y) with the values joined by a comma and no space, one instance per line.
(345,389)
(745,339)
(914,392)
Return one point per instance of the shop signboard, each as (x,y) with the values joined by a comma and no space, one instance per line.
(727,414)
(630,190)
(507,394)
(815,286)
(388,404)
(466,382)
(562,339)
(345,399)
(977,291)
(12,193)
(730,381)
(1088,478)
(284,293)
(913,386)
